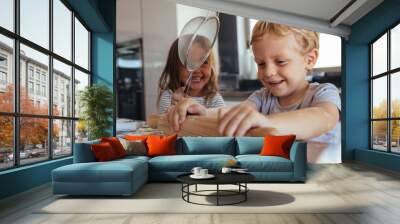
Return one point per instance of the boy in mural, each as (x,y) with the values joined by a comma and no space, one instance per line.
(287,104)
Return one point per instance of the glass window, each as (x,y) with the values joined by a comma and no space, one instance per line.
(81,45)
(33,140)
(6,74)
(379,135)
(30,71)
(81,131)
(34,80)
(43,90)
(62,74)
(81,81)
(395,95)
(40,62)
(3,78)
(379,98)
(37,89)
(388,81)
(62,138)
(3,61)
(6,142)
(30,87)
(379,56)
(35,21)
(62,29)
(395,47)
(395,136)
(37,75)
(7,14)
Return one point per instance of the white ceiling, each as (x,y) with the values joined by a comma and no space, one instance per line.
(311,14)
(321,9)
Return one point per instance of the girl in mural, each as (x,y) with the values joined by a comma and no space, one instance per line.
(203,88)
(287,104)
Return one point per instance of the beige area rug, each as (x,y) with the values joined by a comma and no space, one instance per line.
(166,198)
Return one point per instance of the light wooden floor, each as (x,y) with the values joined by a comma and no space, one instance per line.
(380,189)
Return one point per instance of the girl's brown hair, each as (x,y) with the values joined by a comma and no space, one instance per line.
(170,78)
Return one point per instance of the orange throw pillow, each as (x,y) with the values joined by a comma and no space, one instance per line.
(103,152)
(277,145)
(161,145)
(116,145)
(136,137)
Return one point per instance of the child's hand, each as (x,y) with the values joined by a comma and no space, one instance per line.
(239,119)
(177,114)
(177,96)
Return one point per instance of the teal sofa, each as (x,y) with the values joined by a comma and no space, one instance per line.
(125,176)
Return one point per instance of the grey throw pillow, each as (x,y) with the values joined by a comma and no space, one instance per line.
(137,148)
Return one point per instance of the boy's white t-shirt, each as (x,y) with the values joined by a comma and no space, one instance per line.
(329,145)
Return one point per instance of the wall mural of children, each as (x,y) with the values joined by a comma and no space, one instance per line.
(287,104)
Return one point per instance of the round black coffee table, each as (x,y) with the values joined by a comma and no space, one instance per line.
(238,179)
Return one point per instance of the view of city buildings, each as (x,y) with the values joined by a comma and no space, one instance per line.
(39,93)
(34,82)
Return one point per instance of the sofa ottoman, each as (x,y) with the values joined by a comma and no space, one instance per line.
(119,177)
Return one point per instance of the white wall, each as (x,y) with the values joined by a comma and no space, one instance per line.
(129,20)
(184,13)
(159,31)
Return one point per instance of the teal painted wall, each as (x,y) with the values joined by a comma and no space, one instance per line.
(103,54)
(24,178)
(356,84)
(100,16)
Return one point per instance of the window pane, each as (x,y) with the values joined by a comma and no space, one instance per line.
(6,74)
(81,45)
(7,14)
(62,29)
(395,136)
(395,47)
(34,72)
(395,94)
(379,55)
(379,98)
(81,131)
(6,142)
(62,89)
(33,139)
(81,81)
(35,21)
(379,135)
(62,138)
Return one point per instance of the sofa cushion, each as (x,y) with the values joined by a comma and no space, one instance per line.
(161,145)
(207,145)
(103,152)
(185,163)
(277,145)
(257,163)
(249,145)
(83,152)
(116,145)
(134,147)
